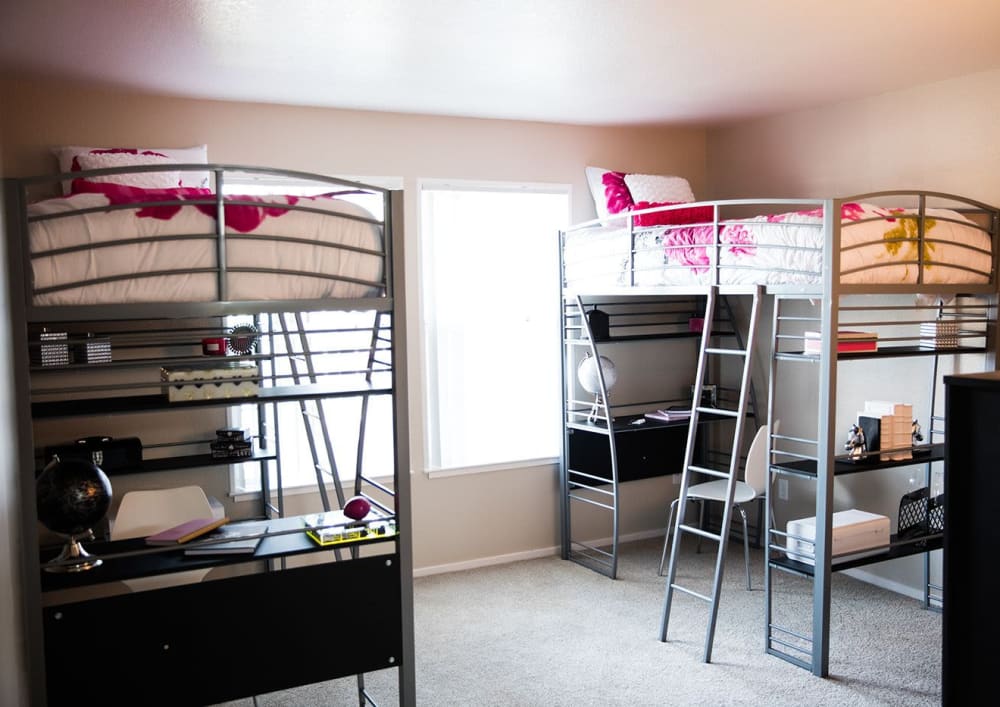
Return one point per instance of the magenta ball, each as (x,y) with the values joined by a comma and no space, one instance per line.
(357,507)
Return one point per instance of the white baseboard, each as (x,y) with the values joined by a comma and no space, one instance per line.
(523,555)
(898,587)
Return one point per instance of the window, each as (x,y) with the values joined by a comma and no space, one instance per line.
(347,333)
(490,315)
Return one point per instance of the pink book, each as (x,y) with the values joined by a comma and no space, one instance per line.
(188,530)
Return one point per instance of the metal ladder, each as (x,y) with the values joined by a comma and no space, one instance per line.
(740,416)
(314,418)
(312,410)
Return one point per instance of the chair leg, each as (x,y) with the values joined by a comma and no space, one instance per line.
(701,522)
(746,543)
(666,539)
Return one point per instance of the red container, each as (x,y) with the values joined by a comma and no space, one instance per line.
(214,346)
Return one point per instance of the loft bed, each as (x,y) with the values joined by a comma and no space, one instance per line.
(113,244)
(156,271)
(820,260)
(885,241)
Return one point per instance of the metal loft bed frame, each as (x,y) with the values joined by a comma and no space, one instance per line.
(292,371)
(620,264)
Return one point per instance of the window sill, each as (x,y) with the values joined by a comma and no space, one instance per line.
(552,462)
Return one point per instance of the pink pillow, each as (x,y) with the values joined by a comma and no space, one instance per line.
(615,192)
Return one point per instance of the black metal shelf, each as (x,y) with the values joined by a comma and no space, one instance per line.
(192,461)
(897,548)
(637,337)
(631,423)
(129,404)
(883,352)
(160,361)
(841,466)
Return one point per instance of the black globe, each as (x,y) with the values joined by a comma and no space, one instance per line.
(73,495)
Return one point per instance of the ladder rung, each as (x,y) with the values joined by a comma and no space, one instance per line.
(702,533)
(727,352)
(691,593)
(719,411)
(710,472)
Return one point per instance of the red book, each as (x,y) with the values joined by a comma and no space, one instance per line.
(188,530)
(847,341)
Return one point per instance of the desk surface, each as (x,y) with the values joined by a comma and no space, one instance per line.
(126,559)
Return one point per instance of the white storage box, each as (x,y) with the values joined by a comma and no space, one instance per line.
(854,532)
(234,379)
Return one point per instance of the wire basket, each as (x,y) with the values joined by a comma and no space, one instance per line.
(920,515)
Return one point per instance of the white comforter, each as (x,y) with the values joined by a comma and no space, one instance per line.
(785,249)
(360,272)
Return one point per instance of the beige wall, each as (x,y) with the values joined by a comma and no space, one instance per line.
(498,513)
(943,137)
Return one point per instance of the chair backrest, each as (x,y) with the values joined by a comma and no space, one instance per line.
(756,473)
(143,513)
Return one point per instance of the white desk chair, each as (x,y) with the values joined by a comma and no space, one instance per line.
(755,475)
(143,513)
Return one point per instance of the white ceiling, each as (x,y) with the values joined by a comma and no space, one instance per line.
(573,61)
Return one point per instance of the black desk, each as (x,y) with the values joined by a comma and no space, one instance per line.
(652,448)
(220,640)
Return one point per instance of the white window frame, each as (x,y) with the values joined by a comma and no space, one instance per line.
(432,466)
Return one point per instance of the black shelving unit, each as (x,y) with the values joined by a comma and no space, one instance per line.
(820,459)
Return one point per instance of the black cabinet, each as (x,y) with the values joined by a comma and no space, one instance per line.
(641,450)
(970,622)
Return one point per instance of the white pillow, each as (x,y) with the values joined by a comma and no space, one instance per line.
(169,179)
(181,155)
(594,175)
(658,189)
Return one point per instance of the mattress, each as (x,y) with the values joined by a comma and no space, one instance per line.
(877,246)
(83,253)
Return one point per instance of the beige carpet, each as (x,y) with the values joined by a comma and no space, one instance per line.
(550,632)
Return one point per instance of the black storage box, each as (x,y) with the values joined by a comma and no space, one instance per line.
(111,454)
(920,515)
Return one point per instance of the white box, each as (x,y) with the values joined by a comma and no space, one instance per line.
(854,531)
(231,379)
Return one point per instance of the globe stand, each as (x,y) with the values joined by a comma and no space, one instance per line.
(595,409)
(73,557)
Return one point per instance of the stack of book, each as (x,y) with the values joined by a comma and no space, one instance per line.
(231,539)
(847,341)
(669,414)
(888,429)
(232,443)
(939,334)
